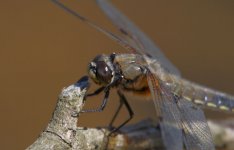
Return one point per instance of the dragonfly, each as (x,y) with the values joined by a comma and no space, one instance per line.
(147,72)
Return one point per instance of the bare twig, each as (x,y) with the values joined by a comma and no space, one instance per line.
(62,131)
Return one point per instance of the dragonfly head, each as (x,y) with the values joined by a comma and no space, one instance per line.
(100,70)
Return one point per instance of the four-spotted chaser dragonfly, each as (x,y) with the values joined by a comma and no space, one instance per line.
(146,71)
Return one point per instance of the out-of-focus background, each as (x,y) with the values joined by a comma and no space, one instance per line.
(43,49)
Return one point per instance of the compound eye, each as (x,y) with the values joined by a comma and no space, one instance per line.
(104,73)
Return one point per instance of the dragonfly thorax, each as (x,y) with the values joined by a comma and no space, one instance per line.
(125,71)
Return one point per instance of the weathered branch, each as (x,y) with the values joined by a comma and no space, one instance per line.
(62,131)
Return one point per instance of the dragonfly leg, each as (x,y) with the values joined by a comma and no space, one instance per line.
(129,109)
(106,96)
(99,90)
(103,105)
(106,90)
(116,114)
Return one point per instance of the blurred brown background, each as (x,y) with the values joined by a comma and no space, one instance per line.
(43,49)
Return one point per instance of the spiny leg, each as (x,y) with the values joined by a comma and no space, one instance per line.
(116,114)
(129,109)
(104,101)
(106,90)
(99,90)
(103,105)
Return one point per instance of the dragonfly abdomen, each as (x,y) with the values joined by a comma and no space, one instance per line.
(210,98)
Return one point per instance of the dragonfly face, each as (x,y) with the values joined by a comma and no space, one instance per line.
(101,70)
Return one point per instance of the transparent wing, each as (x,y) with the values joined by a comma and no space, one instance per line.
(168,115)
(197,135)
(139,42)
(181,121)
(112,36)
(135,37)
